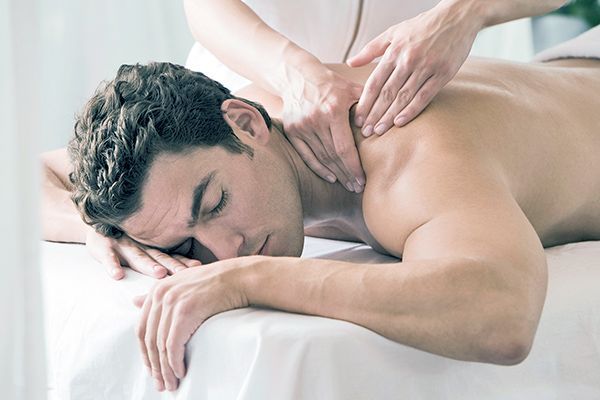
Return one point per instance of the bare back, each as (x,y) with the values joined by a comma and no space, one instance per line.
(532,128)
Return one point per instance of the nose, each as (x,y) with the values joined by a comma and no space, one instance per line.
(223,243)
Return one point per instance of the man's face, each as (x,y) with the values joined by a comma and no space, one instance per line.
(211,204)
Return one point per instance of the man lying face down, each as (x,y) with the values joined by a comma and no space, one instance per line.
(467,195)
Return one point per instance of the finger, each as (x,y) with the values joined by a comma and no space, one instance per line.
(345,148)
(189,262)
(397,90)
(179,334)
(113,265)
(150,343)
(311,160)
(169,262)
(370,51)
(324,149)
(138,301)
(138,260)
(141,330)
(162,334)
(371,92)
(425,94)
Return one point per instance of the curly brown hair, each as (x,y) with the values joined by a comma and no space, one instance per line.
(145,111)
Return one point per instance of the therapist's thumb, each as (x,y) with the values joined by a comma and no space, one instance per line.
(371,51)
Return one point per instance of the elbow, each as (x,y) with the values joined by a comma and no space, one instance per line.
(508,344)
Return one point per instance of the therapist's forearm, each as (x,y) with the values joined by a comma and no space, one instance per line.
(493,12)
(241,40)
(458,308)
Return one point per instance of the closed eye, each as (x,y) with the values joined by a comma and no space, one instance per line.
(222,203)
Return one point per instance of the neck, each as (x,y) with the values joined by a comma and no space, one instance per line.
(324,204)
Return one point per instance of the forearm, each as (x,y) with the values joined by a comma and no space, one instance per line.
(242,41)
(61,221)
(457,308)
(492,12)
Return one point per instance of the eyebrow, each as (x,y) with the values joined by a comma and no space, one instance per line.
(197,198)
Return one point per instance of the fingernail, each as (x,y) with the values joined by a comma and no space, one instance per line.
(116,273)
(368,131)
(357,188)
(380,129)
(330,178)
(399,121)
(159,385)
(359,121)
(158,268)
(360,181)
(349,186)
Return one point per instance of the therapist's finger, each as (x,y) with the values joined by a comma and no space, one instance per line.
(345,148)
(370,51)
(325,151)
(394,91)
(421,100)
(169,262)
(372,89)
(312,161)
(162,334)
(404,97)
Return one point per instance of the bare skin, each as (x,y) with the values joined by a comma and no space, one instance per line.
(503,162)
(552,175)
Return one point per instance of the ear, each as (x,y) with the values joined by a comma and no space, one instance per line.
(245,120)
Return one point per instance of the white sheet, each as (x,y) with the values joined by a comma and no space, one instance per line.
(258,354)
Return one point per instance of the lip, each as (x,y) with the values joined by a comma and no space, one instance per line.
(263,248)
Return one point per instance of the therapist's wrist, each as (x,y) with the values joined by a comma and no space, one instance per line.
(473,14)
(296,68)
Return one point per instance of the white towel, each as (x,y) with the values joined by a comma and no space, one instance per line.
(586,45)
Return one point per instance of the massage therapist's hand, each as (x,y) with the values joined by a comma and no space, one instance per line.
(175,307)
(419,56)
(114,253)
(316,121)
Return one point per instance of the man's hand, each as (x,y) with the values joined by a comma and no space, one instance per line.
(316,121)
(116,253)
(174,309)
(420,56)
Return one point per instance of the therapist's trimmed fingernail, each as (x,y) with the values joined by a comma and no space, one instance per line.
(330,178)
(359,121)
(349,186)
(368,131)
(360,181)
(399,121)
(380,129)
(158,268)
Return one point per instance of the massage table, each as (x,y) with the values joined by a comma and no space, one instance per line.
(262,354)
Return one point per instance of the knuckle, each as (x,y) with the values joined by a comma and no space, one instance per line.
(170,298)
(184,309)
(160,291)
(404,97)
(387,95)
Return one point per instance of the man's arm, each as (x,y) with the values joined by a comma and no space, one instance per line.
(61,221)
(473,278)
